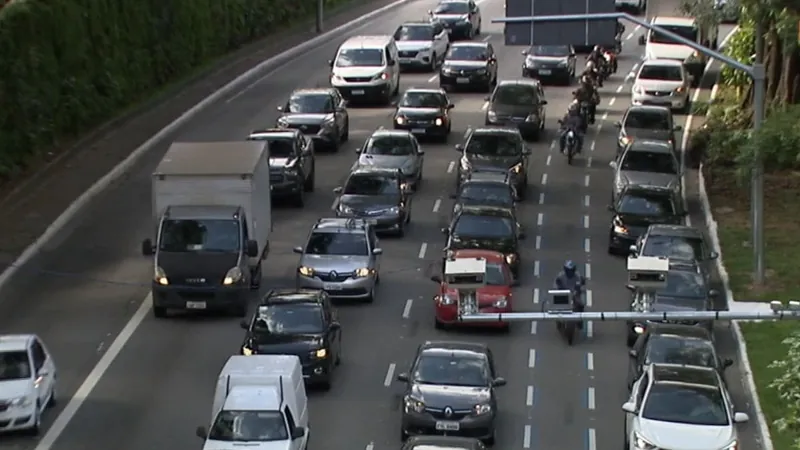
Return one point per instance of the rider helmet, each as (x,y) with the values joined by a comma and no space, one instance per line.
(597,48)
(570,268)
(590,66)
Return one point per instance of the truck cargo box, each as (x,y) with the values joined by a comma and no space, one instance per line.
(579,33)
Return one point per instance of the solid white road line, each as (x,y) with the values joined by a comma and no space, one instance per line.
(422,249)
(407,309)
(526,437)
(437,204)
(532,358)
(590,361)
(387,381)
(529,395)
(590,398)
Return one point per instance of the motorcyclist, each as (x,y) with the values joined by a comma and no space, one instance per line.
(620,29)
(591,70)
(587,93)
(571,279)
(596,55)
(572,120)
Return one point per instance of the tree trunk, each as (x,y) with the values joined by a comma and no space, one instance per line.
(773,63)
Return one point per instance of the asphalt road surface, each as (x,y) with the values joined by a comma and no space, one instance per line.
(152,387)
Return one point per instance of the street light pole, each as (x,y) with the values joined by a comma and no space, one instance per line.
(320,10)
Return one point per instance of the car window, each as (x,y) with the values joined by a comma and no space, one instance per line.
(360,57)
(467,53)
(474,226)
(14,365)
(683,283)
(414,33)
(437,28)
(689,33)
(550,50)
(337,244)
(449,369)
(518,95)
(643,204)
(676,247)
(649,120)
(248,426)
(310,104)
(496,275)
(494,144)
(423,100)
(289,318)
(452,8)
(654,162)
(661,73)
(486,193)
(371,184)
(685,403)
(200,235)
(666,349)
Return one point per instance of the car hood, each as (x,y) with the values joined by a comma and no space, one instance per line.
(513,110)
(280,163)
(288,344)
(497,162)
(367,203)
(668,51)
(647,178)
(11,389)
(659,85)
(456,397)
(667,303)
(681,435)
(486,295)
(414,45)
(454,64)
(419,112)
(305,118)
(211,266)
(358,71)
(334,263)
(548,59)
(647,133)
(384,161)
(497,244)
(228,445)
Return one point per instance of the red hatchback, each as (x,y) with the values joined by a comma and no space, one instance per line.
(495,297)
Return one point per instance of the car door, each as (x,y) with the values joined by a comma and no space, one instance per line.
(419,154)
(372,240)
(440,40)
(333,335)
(542,102)
(340,111)
(637,397)
(42,371)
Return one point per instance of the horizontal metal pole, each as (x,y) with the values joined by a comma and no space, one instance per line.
(644,23)
(568,316)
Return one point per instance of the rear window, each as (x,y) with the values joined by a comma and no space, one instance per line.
(516,95)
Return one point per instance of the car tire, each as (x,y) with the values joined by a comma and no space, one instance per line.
(53,400)
(371,297)
(159,312)
(309,185)
(490,440)
(37,422)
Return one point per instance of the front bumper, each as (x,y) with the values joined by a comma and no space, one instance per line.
(480,427)
(192,298)
(419,59)
(559,72)
(351,288)
(448,314)
(674,101)
(287,187)
(364,92)
(422,127)
(15,418)
(318,370)
(464,80)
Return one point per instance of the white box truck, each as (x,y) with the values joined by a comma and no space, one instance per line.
(212,220)
(260,400)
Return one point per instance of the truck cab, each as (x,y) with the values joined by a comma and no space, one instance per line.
(659,46)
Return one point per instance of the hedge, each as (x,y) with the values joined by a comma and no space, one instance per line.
(68,65)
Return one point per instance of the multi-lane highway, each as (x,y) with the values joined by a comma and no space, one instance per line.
(129,381)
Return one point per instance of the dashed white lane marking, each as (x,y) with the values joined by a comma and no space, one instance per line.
(526,437)
(589,162)
(587,245)
(635,66)
(532,358)
(536,268)
(539,219)
(451,166)
(605,117)
(592,439)
(529,394)
(619,88)
(485,106)
(552,144)
(433,78)
(422,249)
(592,146)
(611,102)
(588,292)
(590,361)
(387,381)
(370,446)
(588,272)
(437,204)
(541,198)
(407,309)
(538,242)
(466,133)
(629,36)
(586,180)
(535,296)
(637,28)
(586,221)
(586,201)
(589,329)
(486,39)
(549,159)
(544,179)
(590,398)
(533,327)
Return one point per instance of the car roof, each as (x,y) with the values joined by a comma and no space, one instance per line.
(422,441)
(377,41)
(678,330)
(467,43)
(674,230)
(662,62)
(679,373)
(286,133)
(650,146)
(342,225)
(649,108)
(317,90)
(519,82)
(364,170)
(486,210)
(674,20)
(15,342)
(426,90)
(488,255)
(455,347)
(283,296)
(494,130)
(382,132)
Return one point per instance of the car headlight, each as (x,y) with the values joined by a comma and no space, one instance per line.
(482,409)
(619,228)
(679,90)
(233,276)
(446,300)
(160,277)
(640,443)
(638,329)
(638,89)
(423,51)
(413,405)
(464,19)
(511,258)
(500,302)
(393,210)
(491,115)
(465,165)
(321,353)
(363,272)
(345,209)
(438,122)
(400,120)
(480,72)
(305,271)
(381,76)
(247,351)
(21,401)
(516,168)
(625,140)
(447,70)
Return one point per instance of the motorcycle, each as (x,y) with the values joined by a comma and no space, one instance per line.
(570,145)
(562,302)
(584,111)
(611,61)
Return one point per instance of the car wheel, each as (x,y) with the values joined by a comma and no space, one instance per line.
(490,440)
(437,323)
(371,297)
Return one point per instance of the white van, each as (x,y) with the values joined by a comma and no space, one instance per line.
(367,68)
(261,400)
(659,46)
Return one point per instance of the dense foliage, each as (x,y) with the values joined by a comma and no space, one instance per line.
(68,65)
(788,387)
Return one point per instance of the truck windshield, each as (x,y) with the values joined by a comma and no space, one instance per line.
(14,365)
(246,426)
(689,33)
(200,235)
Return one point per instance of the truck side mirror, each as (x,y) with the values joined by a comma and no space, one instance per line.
(201,432)
(252,248)
(147,247)
(298,432)
(436,279)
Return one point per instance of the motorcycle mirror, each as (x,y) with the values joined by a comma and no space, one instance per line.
(613,165)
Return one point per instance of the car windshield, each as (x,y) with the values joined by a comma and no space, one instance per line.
(450,369)
(486,193)
(390,146)
(674,247)
(248,426)
(414,33)
(360,57)
(452,8)
(517,95)
(689,33)
(337,244)
(14,365)
(289,318)
(643,204)
(496,276)
(282,147)
(685,403)
(467,53)
(423,100)
(474,226)
(648,120)
(369,184)
(684,283)
(661,73)
(494,144)
(200,235)
(655,162)
(667,349)
(549,50)
(310,104)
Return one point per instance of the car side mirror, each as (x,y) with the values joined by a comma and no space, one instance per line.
(618,124)
(330,62)
(336,326)
(430,13)
(420,152)
(713,293)
(402,377)
(499,381)
(251,248)
(543,102)
(613,165)
(148,248)
(244,325)
(642,40)
(633,354)
(526,152)
(445,231)
(338,190)
(632,250)
(713,255)
(280,108)
(377,251)
(629,407)
(630,287)
(298,250)
(451,106)
(436,279)
(201,432)
(677,128)
(524,52)
(727,363)
(298,432)
(740,417)
(459,147)
(358,149)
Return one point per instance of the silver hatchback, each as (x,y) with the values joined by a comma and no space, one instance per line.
(341,257)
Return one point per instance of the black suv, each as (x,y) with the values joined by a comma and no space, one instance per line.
(518,104)
(378,195)
(291,163)
(489,228)
(638,207)
(469,65)
(320,113)
(646,122)
(425,112)
(450,389)
(679,243)
(298,322)
(495,148)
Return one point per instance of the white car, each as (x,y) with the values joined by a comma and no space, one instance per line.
(27,382)
(421,44)
(680,408)
(662,82)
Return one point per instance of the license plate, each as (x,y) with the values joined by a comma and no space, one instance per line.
(447,426)
(357,92)
(195,305)
(462,80)
(418,130)
(331,287)
(545,71)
